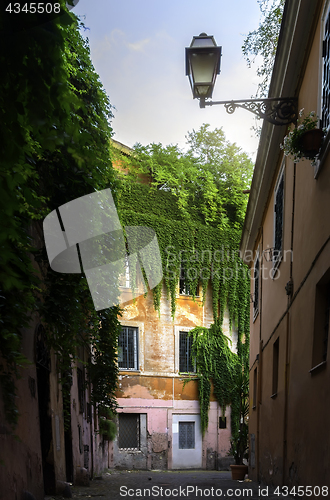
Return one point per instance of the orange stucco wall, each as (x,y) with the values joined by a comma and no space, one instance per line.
(158,391)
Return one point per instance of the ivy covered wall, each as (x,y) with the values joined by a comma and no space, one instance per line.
(199,237)
(54,136)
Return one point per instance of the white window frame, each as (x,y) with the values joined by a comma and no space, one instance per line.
(140,342)
(177,331)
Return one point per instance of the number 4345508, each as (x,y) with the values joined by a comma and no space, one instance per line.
(33,8)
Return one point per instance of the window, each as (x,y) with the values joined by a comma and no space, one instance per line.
(278,220)
(129,431)
(128,348)
(325,111)
(125,277)
(81,390)
(276,351)
(184,286)
(321,321)
(222,422)
(256,275)
(186,364)
(255,387)
(186,435)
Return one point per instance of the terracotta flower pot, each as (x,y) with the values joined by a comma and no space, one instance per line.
(311,142)
(238,471)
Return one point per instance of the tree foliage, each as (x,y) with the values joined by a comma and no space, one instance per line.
(55,134)
(262,42)
(208,180)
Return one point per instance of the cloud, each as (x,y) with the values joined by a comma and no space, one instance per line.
(108,44)
(138,46)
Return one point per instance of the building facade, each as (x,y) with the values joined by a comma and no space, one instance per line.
(49,453)
(286,242)
(158,420)
(159,411)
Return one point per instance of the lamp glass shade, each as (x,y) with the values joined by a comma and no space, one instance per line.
(202,65)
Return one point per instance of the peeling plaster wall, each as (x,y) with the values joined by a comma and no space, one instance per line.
(92,454)
(21,466)
(157,390)
(21,462)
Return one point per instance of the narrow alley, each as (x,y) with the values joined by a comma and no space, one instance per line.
(195,484)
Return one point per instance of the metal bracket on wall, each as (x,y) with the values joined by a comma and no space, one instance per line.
(275,110)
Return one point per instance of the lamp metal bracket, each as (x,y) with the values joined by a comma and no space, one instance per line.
(278,111)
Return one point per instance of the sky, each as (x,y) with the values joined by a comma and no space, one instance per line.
(138,50)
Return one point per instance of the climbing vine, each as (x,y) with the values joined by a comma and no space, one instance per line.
(195,203)
(54,136)
(196,233)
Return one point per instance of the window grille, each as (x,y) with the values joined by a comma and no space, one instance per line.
(128,348)
(186,364)
(186,435)
(326,76)
(129,431)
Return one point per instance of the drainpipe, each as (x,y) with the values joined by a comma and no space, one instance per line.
(258,409)
(289,291)
(259,380)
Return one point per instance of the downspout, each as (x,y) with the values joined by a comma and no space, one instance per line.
(259,379)
(289,291)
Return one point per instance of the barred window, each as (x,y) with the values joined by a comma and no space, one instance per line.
(325,121)
(129,431)
(186,364)
(128,348)
(186,435)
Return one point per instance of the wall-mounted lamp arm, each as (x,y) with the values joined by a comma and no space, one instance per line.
(278,111)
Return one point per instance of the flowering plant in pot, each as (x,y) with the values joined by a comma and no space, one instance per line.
(305,140)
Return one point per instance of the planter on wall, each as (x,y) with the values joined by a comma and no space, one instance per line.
(238,471)
(311,142)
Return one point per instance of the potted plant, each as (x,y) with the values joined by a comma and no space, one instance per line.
(240,432)
(305,140)
(107,425)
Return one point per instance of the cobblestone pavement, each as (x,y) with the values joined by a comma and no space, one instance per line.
(162,485)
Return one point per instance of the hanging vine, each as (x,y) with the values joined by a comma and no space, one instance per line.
(194,202)
(55,135)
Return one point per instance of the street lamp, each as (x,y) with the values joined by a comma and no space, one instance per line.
(202,67)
